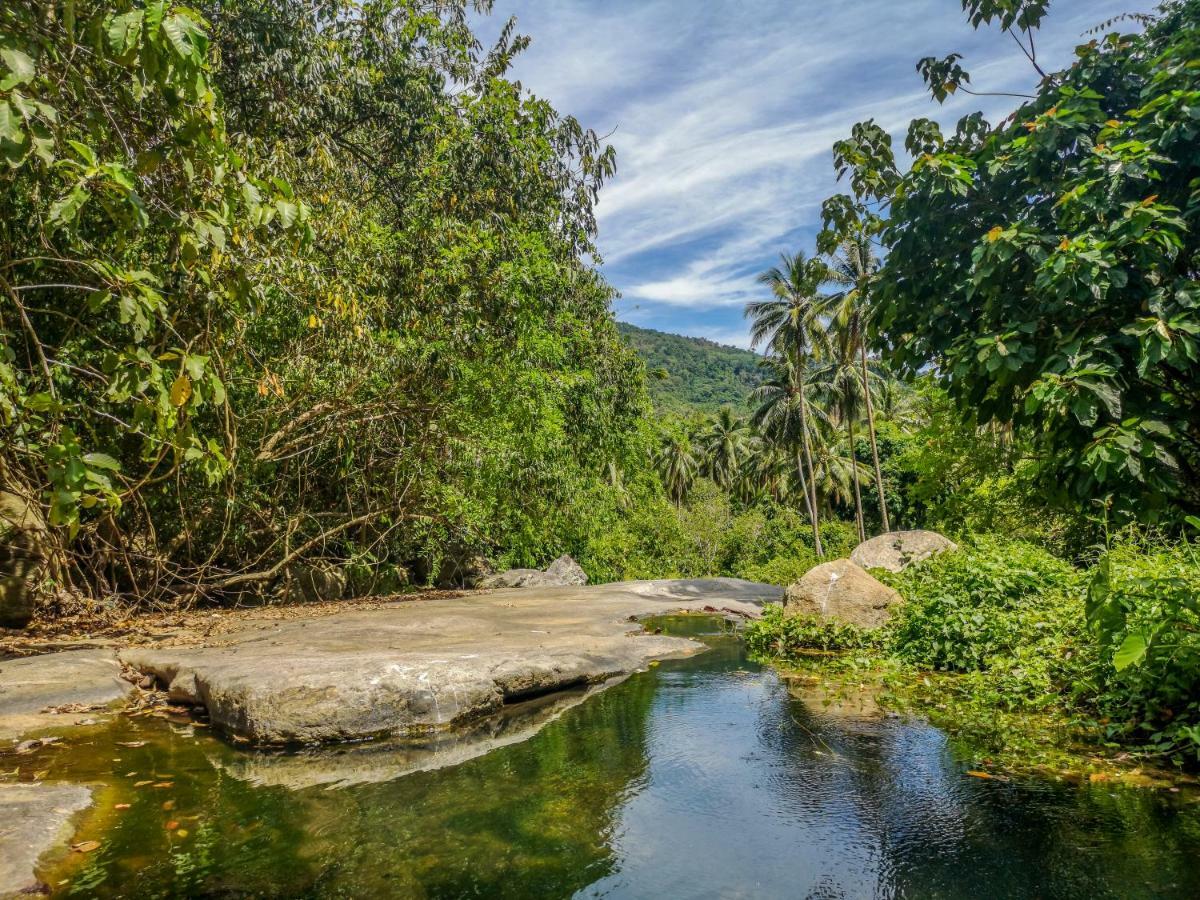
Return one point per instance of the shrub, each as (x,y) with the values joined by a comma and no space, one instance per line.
(787,636)
(773,544)
(1144,605)
(1009,609)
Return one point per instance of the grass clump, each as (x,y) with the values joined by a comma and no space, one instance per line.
(1016,648)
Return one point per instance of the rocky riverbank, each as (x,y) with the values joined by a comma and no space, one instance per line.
(400,670)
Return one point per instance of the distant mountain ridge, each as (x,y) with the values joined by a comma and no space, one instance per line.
(689,373)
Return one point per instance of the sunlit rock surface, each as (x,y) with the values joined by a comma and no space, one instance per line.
(897,550)
(421,667)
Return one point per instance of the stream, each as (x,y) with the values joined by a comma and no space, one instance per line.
(704,777)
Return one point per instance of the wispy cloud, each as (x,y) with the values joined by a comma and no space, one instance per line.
(725,113)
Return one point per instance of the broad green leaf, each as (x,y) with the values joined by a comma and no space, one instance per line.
(101,461)
(1131,652)
(124,31)
(86,153)
(288,212)
(20,68)
(64,210)
(177,28)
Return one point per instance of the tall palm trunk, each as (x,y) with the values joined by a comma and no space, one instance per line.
(883,512)
(809,484)
(858,510)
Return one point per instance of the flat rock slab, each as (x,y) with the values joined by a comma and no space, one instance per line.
(76,679)
(422,667)
(34,819)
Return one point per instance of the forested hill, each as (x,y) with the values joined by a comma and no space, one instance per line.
(686,373)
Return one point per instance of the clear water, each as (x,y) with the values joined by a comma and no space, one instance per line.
(703,777)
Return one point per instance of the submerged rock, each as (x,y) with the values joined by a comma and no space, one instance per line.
(568,570)
(842,591)
(897,550)
(34,819)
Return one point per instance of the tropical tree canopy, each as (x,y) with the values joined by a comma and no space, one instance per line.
(1047,266)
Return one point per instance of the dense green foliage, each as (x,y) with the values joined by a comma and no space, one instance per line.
(1144,605)
(1048,266)
(296,282)
(1009,619)
(688,374)
(1041,286)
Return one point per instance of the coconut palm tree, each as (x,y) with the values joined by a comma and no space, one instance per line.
(854,268)
(839,383)
(833,465)
(788,323)
(724,445)
(781,416)
(677,466)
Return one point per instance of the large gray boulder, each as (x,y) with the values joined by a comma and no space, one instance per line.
(896,550)
(24,552)
(34,819)
(520,578)
(841,591)
(568,570)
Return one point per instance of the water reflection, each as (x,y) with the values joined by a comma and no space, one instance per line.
(705,777)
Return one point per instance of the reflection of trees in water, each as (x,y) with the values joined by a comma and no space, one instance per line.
(903,806)
(528,820)
(832,805)
(531,819)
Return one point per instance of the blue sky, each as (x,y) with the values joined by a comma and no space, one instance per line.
(724,115)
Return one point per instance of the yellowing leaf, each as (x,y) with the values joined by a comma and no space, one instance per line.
(1150,200)
(313,321)
(994,234)
(85,846)
(1113,123)
(1065,244)
(181,390)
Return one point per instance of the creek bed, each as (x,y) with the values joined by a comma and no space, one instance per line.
(702,777)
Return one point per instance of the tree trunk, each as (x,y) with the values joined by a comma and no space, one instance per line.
(883,512)
(809,485)
(858,510)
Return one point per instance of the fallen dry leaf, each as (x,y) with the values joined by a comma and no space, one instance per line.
(121,806)
(172,825)
(169,805)
(976,774)
(142,783)
(85,846)
(131,743)
(165,784)
(182,832)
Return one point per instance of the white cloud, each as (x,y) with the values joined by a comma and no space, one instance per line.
(726,113)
